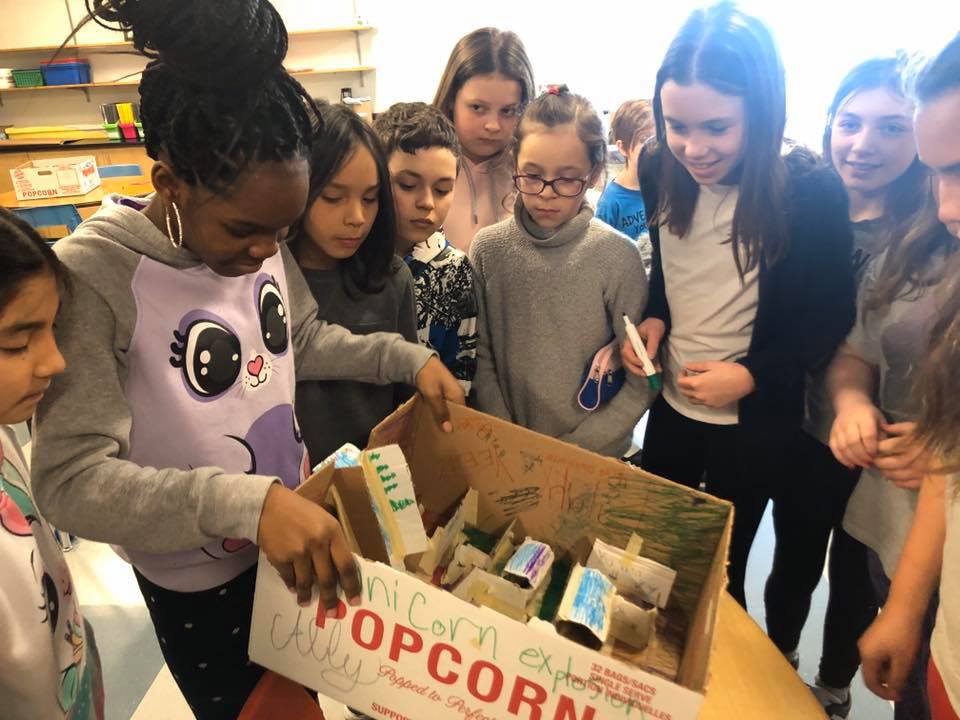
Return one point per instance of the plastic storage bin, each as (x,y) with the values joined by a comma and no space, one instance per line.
(31,77)
(129,131)
(71,71)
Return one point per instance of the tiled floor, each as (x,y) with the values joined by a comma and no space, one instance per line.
(138,684)
(112,603)
(866,705)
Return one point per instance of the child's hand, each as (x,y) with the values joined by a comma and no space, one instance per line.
(855,434)
(306,545)
(651,331)
(715,384)
(438,386)
(887,652)
(901,459)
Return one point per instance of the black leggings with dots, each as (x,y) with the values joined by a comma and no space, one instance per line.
(203,636)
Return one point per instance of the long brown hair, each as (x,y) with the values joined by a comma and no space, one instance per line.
(735,54)
(907,192)
(483,52)
(913,243)
(938,428)
(912,232)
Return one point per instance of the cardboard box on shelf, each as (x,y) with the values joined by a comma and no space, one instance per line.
(55,177)
(411,648)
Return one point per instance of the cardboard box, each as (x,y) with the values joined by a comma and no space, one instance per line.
(55,177)
(413,650)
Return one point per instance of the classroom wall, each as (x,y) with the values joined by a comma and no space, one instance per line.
(30,23)
(606,49)
(610,49)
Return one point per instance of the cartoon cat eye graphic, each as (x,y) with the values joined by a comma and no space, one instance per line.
(273,317)
(208,353)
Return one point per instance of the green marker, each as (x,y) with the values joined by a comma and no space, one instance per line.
(653,377)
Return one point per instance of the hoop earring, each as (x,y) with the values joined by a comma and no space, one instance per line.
(176,240)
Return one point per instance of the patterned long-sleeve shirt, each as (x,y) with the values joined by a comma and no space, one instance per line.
(446,305)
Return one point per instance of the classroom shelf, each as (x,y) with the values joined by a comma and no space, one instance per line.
(121,45)
(84,86)
(335,71)
(126,46)
(134,83)
(330,30)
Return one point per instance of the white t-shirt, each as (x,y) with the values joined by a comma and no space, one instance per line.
(945,644)
(49,667)
(711,309)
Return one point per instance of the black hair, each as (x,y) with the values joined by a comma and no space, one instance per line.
(214,97)
(735,54)
(908,192)
(412,126)
(339,134)
(941,74)
(24,255)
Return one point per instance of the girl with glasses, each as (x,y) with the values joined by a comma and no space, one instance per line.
(553,284)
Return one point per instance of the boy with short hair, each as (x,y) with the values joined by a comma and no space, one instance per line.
(423,153)
(621,205)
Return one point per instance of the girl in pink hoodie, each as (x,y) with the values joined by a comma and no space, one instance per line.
(485,86)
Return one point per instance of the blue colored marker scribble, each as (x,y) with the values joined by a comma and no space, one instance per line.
(589,608)
(347,456)
(529,560)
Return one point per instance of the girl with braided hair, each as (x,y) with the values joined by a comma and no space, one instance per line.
(173,434)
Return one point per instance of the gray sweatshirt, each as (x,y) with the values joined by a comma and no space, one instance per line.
(175,414)
(548,302)
(335,412)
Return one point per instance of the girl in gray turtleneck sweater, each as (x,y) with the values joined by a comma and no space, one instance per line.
(553,284)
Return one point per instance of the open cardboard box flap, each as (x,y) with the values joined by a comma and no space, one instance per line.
(561,494)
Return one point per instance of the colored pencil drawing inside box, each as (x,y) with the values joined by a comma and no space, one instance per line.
(450,624)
